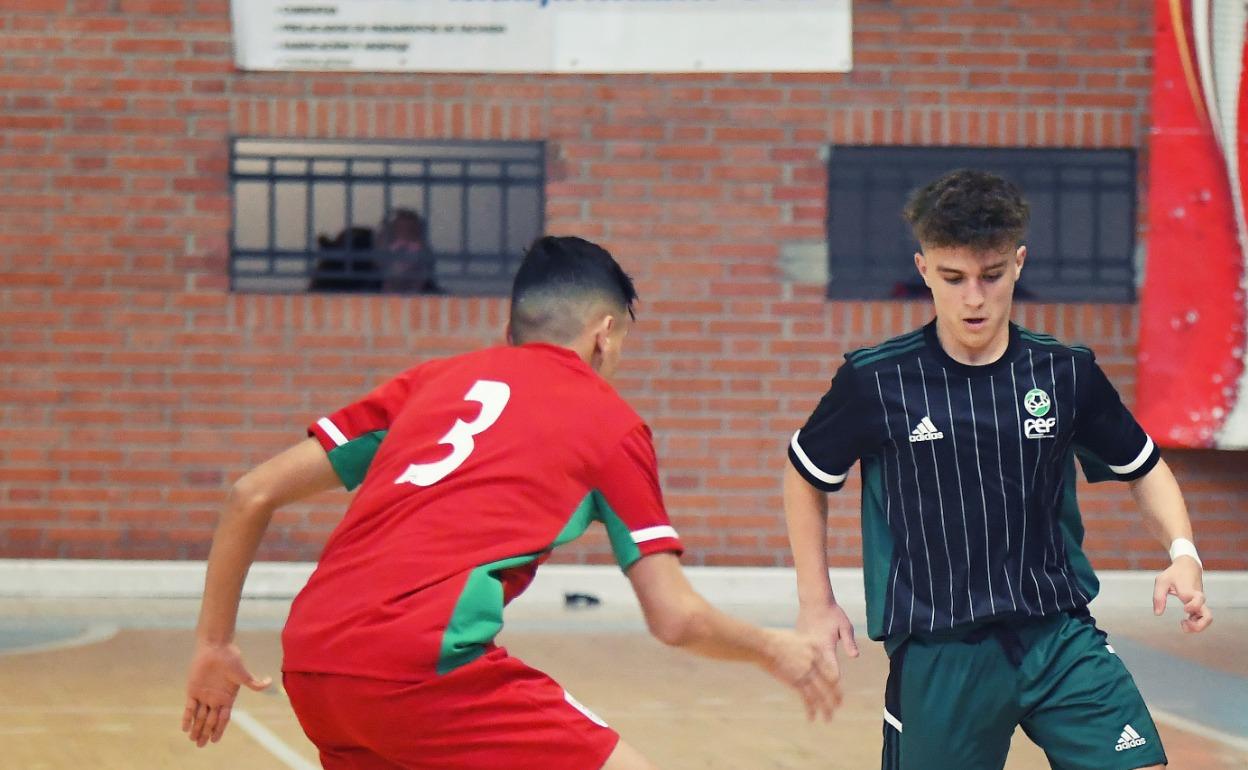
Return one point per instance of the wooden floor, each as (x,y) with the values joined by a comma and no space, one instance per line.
(116,703)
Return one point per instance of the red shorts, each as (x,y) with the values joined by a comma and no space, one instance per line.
(493,713)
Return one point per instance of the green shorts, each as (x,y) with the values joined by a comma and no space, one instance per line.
(953,703)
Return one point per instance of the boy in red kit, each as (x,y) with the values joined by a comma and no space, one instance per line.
(473,469)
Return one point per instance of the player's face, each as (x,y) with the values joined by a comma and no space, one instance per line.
(973,292)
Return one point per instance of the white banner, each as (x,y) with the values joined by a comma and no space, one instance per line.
(544,35)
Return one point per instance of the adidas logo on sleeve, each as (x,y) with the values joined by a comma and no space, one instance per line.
(925,431)
(1129,739)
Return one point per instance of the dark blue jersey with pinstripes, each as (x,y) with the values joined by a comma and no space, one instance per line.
(968,506)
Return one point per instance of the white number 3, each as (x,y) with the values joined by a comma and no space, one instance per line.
(493,397)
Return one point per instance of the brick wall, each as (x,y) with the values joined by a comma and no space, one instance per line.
(134,387)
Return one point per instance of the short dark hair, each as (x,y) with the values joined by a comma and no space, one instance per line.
(558,281)
(971,208)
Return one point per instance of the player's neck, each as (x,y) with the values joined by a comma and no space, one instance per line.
(973,352)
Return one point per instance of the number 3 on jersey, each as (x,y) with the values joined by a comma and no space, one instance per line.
(493,397)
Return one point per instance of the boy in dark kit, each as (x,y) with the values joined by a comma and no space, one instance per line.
(975,579)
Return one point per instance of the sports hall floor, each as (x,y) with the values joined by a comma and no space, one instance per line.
(97,684)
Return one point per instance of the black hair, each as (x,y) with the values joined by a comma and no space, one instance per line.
(558,280)
(971,208)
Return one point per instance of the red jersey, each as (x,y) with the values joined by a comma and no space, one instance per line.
(474,469)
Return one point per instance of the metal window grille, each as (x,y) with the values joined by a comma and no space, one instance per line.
(318,215)
(1081,242)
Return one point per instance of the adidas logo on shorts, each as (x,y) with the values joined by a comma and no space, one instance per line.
(1129,739)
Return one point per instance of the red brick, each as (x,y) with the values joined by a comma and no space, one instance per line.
(35,6)
(168,46)
(695,180)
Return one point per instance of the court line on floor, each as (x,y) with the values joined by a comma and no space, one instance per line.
(1196,728)
(271,743)
(93,634)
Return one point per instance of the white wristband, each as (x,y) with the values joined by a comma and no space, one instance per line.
(1184,547)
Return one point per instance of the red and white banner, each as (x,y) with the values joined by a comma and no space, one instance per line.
(1193,382)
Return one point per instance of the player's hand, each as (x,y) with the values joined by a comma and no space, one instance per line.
(799,661)
(1184,579)
(217,673)
(829,624)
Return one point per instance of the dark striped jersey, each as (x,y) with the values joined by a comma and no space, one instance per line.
(968,503)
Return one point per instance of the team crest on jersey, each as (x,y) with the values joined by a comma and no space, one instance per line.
(1037,402)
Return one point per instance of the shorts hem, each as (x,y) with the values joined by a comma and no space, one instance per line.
(1140,760)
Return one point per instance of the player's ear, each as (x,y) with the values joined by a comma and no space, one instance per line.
(600,335)
(603,329)
(510,340)
(1020,256)
(920,262)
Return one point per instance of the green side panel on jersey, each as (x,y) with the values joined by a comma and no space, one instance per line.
(352,459)
(626,551)
(584,514)
(1071,523)
(877,544)
(478,615)
(889,353)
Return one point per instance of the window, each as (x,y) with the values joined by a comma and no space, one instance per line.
(1080,245)
(383,216)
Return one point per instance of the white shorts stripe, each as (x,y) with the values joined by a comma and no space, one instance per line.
(826,478)
(652,533)
(332,431)
(1123,470)
(892,720)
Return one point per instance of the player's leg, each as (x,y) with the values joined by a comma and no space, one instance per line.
(1083,707)
(625,757)
(949,705)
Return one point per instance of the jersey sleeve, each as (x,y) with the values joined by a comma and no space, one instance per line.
(352,434)
(1110,444)
(630,503)
(835,436)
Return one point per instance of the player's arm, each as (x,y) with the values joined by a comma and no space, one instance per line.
(679,616)
(217,670)
(338,452)
(806,516)
(1113,446)
(1161,502)
(647,547)
(820,456)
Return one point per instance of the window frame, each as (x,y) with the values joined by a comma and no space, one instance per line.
(1051,276)
(281,271)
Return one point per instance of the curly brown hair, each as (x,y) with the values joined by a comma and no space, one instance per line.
(971,208)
